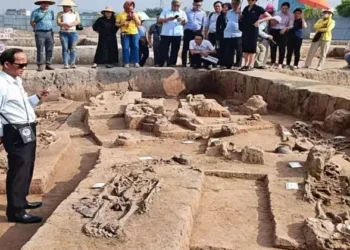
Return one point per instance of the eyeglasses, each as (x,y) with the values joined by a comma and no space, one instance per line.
(21,65)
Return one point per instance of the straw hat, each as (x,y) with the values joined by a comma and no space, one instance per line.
(108,9)
(44,1)
(68,3)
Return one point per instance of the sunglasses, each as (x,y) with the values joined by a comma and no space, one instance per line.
(21,65)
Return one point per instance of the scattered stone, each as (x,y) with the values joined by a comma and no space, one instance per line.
(148,127)
(228,150)
(303,144)
(317,125)
(254,105)
(316,160)
(214,147)
(337,122)
(254,117)
(46,138)
(124,139)
(284,149)
(182,159)
(318,233)
(210,108)
(253,155)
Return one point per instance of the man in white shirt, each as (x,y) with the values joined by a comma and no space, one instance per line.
(200,49)
(173,22)
(210,26)
(196,19)
(18,134)
(347,55)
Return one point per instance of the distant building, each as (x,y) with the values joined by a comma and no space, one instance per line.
(23,12)
(90,14)
(11,12)
(20,12)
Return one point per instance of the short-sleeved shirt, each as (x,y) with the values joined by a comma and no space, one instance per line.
(142,31)
(297,30)
(173,28)
(46,23)
(195,20)
(251,16)
(131,29)
(60,18)
(155,30)
(232,25)
(205,45)
(211,22)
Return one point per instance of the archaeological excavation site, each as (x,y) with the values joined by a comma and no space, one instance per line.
(183,159)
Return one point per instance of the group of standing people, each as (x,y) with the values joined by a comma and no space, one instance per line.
(252,34)
(42,22)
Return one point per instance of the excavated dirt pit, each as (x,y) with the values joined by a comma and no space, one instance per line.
(225,189)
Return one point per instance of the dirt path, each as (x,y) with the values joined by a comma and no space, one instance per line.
(73,167)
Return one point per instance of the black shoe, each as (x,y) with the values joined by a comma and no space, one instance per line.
(260,67)
(33,205)
(25,219)
(244,68)
(48,67)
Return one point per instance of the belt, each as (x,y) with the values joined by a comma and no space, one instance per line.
(43,30)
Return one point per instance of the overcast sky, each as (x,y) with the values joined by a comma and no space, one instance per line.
(97,5)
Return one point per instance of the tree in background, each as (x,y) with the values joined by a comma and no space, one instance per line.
(343,9)
(152,12)
(312,13)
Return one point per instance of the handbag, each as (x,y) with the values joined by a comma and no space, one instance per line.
(79,27)
(317,37)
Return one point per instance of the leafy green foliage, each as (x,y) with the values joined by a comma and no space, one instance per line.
(343,9)
(152,12)
(312,13)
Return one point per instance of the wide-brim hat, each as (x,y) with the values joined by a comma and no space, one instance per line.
(68,3)
(107,9)
(44,1)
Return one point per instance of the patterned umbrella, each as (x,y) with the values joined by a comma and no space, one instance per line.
(319,4)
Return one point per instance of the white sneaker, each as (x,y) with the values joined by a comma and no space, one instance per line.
(66,67)
(137,65)
(94,66)
(126,65)
(319,69)
(73,66)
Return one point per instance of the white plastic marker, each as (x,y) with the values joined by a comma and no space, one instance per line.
(145,158)
(187,142)
(295,164)
(98,185)
(292,186)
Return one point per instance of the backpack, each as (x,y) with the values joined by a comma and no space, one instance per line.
(210,15)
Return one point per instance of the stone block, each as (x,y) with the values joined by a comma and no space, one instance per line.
(254,105)
(337,122)
(253,155)
(316,160)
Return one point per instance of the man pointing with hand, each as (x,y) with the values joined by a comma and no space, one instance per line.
(18,134)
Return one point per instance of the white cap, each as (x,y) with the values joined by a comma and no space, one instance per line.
(331,10)
(277,18)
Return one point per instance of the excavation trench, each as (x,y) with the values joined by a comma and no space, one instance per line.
(178,217)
